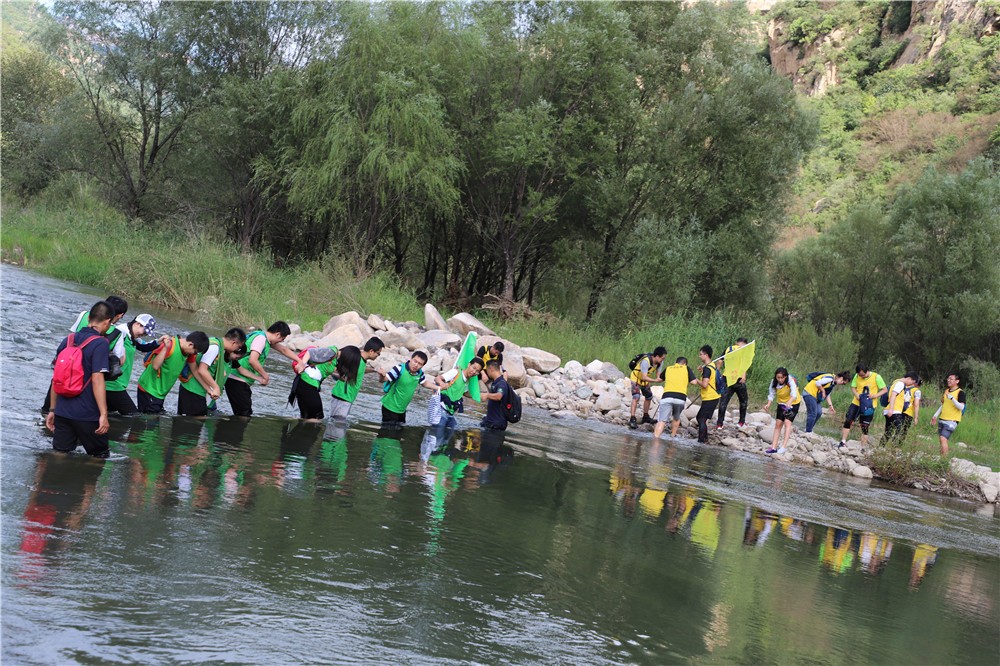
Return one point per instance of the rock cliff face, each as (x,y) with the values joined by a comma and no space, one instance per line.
(813,66)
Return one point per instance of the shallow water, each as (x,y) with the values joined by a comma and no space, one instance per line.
(275,541)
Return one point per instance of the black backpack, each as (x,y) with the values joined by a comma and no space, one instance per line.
(634,363)
(512,406)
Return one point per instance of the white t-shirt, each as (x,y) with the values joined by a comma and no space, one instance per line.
(79,320)
(258,344)
(208,358)
(898,387)
(119,348)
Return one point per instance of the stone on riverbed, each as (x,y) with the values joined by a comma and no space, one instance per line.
(862,472)
(573,369)
(463,322)
(989,491)
(608,401)
(376,322)
(439,339)
(348,334)
(400,337)
(539,360)
(348,318)
(433,319)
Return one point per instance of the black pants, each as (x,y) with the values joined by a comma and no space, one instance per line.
(148,404)
(240,397)
(896,427)
(704,416)
(47,404)
(190,403)
(390,417)
(309,400)
(121,402)
(70,433)
(740,389)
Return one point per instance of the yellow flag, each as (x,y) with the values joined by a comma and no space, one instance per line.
(738,362)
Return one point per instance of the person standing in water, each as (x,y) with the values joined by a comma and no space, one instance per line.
(249,370)
(785,390)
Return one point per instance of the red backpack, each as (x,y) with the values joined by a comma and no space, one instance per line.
(68,378)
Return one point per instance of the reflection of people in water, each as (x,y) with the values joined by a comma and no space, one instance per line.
(624,486)
(333,456)
(292,470)
(874,552)
(654,495)
(924,557)
(385,466)
(757,527)
(700,515)
(797,530)
(492,455)
(835,552)
(63,489)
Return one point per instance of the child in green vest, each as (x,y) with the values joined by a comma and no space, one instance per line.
(401,384)
(315,365)
(164,367)
(345,393)
(209,375)
(124,344)
(250,368)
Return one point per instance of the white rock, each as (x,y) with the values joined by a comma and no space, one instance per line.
(376,322)
(983,473)
(564,414)
(463,322)
(731,442)
(767,434)
(819,456)
(989,491)
(758,418)
(434,365)
(573,369)
(539,388)
(691,411)
(963,467)
(594,366)
(400,337)
(348,334)
(862,472)
(295,329)
(299,342)
(433,319)
(540,360)
(439,339)
(346,318)
(532,372)
(607,402)
(525,393)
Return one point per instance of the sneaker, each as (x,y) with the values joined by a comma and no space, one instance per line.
(842,445)
(646,419)
(770,451)
(718,427)
(741,424)
(781,450)
(632,423)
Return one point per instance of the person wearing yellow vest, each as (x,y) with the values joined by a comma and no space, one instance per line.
(872,386)
(493,352)
(739,387)
(645,373)
(950,412)
(785,390)
(708,383)
(900,409)
(250,368)
(164,368)
(676,379)
(818,389)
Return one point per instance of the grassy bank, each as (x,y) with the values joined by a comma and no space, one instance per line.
(71,235)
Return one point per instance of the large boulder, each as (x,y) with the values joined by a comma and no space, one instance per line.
(608,401)
(862,472)
(299,342)
(513,363)
(463,322)
(594,366)
(573,369)
(433,319)
(348,334)
(294,329)
(540,360)
(347,318)
(401,337)
(376,322)
(439,339)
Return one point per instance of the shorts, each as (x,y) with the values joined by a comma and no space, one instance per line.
(644,391)
(789,415)
(70,433)
(946,428)
(190,403)
(148,404)
(240,397)
(339,409)
(121,402)
(309,400)
(854,413)
(670,409)
(389,416)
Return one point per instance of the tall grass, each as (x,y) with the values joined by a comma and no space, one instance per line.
(68,233)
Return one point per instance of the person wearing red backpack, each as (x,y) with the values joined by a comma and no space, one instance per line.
(79,410)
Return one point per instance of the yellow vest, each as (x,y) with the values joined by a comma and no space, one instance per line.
(675,379)
(709,392)
(871,382)
(897,402)
(949,412)
(914,399)
(812,388)
(784,393)
(654,370)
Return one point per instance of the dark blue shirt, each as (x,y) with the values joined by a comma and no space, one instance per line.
(95,359)
(495,418)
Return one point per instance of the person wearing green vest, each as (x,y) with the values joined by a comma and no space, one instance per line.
(209,375)
(345,393)
(250,368)
(124,343)
(401,384)
(466,381)
(315,365)
(164,367)
(118,305)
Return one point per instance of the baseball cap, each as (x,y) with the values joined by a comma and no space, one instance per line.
(148,323)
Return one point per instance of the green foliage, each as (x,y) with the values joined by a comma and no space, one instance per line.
(808,350)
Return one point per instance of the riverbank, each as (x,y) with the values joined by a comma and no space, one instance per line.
(89,243)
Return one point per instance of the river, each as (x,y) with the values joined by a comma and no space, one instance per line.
(280,542)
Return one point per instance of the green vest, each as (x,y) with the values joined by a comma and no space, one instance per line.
(217,369)
(324,369)
(121,383)
(158,383)
(455,391)
(245,361)
(82,321)
(401,391)
(349,393)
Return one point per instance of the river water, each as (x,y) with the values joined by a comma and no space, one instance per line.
(274,541)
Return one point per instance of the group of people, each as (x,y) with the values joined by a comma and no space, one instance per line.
(899,400)
(93,368)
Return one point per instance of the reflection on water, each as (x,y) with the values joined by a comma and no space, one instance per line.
(244,540)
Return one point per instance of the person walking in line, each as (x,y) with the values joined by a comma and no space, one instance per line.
(867,386)
(645,373)
(676,379)
(898,411)
(345,392)
(249,369)
(739,388)
(785,390)
(949,414)
(819,387)
(708,382)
